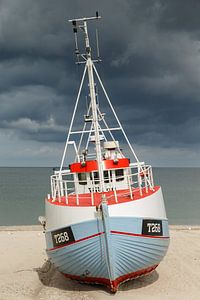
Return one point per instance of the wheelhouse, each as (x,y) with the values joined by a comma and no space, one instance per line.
(82,179)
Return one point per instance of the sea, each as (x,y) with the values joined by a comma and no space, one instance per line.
(23,190)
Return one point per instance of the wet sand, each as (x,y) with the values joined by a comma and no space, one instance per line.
(25,272)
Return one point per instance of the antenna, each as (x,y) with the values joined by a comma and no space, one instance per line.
(97,43)
(81,24)
(76,40)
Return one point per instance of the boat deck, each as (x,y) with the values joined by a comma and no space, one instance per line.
(94,199)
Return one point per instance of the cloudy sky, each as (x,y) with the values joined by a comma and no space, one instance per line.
(151,69)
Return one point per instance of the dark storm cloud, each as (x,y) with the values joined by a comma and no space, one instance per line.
(180,15)
(151,67)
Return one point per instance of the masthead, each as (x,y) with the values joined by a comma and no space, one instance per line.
(81,24)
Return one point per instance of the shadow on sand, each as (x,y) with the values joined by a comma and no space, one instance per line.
(51,277)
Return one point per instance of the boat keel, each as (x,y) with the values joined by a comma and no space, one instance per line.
(112,285)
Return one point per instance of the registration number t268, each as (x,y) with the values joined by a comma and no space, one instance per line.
(152,227)
(62,236)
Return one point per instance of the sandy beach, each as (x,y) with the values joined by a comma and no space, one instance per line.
(25,272)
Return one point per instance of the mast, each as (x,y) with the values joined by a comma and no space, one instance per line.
(89,65)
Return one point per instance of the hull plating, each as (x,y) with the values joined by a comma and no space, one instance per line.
(130,254)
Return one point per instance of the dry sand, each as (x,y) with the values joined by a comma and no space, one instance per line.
(25,272)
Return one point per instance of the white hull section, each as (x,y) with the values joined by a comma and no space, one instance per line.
(151,206)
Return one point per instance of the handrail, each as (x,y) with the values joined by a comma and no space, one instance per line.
(140,179)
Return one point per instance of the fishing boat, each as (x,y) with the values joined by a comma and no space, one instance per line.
(105,219)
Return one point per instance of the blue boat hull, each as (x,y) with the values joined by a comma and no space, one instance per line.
(108,251)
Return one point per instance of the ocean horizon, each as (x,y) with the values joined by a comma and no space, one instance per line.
(23,190)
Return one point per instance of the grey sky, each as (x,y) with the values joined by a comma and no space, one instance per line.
(151,69)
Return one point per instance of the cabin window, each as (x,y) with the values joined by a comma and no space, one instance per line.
(119,174)
(95,176)
(107,176)
(82,178)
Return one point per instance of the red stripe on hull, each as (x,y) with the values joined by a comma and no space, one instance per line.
(77,241)
(112,284)
(112,231)
(140,235)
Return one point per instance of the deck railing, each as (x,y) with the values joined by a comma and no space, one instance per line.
(138,177)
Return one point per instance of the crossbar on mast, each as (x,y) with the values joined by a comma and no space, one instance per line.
(92,130)
(86,18)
